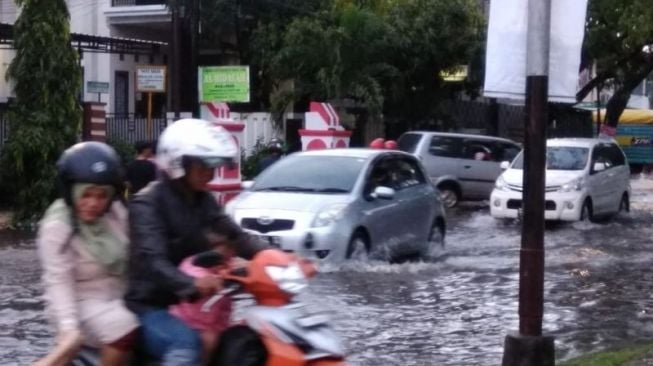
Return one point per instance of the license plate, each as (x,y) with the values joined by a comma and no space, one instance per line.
(273,241)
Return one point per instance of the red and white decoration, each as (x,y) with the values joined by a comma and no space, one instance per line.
(227,180)
(323,129)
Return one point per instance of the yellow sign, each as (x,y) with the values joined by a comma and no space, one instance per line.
(458,73)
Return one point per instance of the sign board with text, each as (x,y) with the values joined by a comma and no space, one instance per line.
(97,87)
(223,84)
(151,78)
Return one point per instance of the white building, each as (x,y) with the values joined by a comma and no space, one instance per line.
(114,36)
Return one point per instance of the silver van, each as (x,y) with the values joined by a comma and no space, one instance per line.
(462,166)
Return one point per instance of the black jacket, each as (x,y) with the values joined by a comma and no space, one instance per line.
(167,224)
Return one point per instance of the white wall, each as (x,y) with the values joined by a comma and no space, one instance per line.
(257,125)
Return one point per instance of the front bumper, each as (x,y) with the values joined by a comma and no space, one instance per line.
(322,243)
(559,206)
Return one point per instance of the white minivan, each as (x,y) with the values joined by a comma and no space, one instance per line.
(585,178)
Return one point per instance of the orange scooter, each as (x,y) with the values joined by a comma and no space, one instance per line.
(278,330)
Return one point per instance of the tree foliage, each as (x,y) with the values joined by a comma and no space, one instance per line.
(338,54)
(384,55)
(45,117)
(619,37)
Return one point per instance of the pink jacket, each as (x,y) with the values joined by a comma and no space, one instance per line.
(216,319)
(76,285)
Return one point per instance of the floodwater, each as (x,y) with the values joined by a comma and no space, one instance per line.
(455,311)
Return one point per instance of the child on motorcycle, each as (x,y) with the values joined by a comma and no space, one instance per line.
(211,322)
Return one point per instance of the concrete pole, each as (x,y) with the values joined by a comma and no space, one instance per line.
(175,60)
(529,347)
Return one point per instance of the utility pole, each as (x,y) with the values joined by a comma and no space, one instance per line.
(175,60)
(194,54)
(529,347)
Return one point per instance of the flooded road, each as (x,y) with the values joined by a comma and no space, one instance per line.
(456,311)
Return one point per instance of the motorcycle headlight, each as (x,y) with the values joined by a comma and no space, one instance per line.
(329,215)
(575,185)
(291,279)
(501,184)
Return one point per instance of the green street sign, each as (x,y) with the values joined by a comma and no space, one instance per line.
(97,87)
(224,84)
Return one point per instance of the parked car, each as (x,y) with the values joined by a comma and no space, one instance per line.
(463,167)
(344,203)
(585,178)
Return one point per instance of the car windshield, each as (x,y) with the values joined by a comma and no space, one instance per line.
(312,174)
(560,158)
(408,142)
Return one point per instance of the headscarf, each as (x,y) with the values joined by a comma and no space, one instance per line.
(97,237)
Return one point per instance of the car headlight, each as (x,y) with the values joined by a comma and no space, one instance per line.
(329,215)
(291,279)
(575,185)
(501,184)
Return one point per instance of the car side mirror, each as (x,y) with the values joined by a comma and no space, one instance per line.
(599,167)
(385,193)
(246,184)
(505,165)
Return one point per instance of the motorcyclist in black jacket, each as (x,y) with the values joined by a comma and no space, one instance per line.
(168,222)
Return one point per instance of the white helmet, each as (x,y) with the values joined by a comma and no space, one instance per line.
(194,138)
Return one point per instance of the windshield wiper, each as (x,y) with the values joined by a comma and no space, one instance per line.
(331,190)
(287,189)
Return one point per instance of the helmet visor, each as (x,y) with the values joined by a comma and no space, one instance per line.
(214,161)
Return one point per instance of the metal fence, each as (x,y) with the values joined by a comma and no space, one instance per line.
(564,121)
(129,128)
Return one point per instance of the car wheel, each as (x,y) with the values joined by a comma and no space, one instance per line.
(448,196)
(435,243)
(586,211)
(624,205)
(239,346)
(359,246)
(436,235)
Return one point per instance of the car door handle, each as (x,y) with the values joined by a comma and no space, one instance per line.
(467,166)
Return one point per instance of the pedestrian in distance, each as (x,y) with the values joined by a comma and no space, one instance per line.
(143,169)
(275,150)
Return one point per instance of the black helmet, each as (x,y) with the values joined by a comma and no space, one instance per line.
(89,162)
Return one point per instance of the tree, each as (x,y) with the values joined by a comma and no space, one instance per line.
(340,54)
(251,32)
(433,36)
(382,56)
(619,38)
(385,55)
(45,117)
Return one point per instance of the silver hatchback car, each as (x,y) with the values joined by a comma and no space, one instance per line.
(344,203)
(462,166)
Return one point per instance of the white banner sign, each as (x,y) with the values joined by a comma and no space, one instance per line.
(151,78)
(505,71)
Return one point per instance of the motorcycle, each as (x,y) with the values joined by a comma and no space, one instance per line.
(279,329)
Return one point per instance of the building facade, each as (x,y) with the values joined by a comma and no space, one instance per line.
(117,36)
